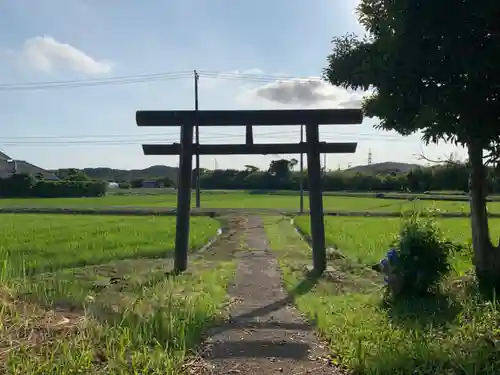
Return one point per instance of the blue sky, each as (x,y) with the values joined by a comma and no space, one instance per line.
(56,40)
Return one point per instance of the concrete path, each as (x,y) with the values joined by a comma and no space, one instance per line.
(265,334)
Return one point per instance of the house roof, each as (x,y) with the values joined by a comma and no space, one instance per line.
(21,166)
(4,156)
(28,168)
(5,169)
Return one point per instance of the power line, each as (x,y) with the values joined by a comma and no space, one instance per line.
(250,77)
(197,140)
(211,134)
(169,136)
(95,82)
(169,76)
(140,78)
(163,140)
(115,78)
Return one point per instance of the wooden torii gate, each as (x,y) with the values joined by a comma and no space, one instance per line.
(310,118)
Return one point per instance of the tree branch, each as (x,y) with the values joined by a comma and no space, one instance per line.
(450,160)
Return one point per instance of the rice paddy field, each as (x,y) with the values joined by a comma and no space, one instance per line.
(367,240)
(36,243)
(94,294)
(450,333)
(215,200)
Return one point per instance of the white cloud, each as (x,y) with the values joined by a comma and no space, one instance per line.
(305,92)
(46,54)
(252,71)
(215,79)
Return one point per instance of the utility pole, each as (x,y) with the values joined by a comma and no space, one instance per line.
(301,171)
(324,165)
(197,135)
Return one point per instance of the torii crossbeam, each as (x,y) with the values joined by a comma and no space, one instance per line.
(310,118)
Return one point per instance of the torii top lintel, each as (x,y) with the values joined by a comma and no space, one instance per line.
(250,117)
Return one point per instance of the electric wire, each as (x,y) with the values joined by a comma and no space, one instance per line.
(133,138)
(141,78)
(27,86)
(171,139)
(211,134)
(252,77)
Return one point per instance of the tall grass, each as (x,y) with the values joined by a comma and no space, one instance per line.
(154,334)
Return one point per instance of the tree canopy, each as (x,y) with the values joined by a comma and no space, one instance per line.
(281,168)
(72,174)
(433,67)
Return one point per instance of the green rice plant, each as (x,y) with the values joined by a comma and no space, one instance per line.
(43,243)
(239,199)
(452,333)
(65,322)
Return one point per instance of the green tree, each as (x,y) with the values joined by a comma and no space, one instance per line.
(281,168)
(251,168)
(167,182)
(137,183)
(433,70)
(17,185)
(72,174)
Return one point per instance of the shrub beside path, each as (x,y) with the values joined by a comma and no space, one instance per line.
(265,334)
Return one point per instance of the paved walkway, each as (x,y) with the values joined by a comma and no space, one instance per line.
(265,335)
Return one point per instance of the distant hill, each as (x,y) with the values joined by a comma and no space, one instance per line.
(158,171)
(110,174)
(386,167)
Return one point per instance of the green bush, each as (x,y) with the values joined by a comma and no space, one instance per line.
(68,189)
(420,257)
(20,185)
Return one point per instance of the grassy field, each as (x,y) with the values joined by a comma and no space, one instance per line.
(437,194)
(93,294)
(248,200)
(450,334)
(367,240)
(38,243)
(82,295)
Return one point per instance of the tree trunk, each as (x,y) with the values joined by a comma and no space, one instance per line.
(486,256)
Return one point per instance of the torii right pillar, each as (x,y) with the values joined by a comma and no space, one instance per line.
(316,198)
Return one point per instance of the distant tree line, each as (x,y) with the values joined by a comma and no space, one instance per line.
(121,176)
(73,184)
(280,176)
